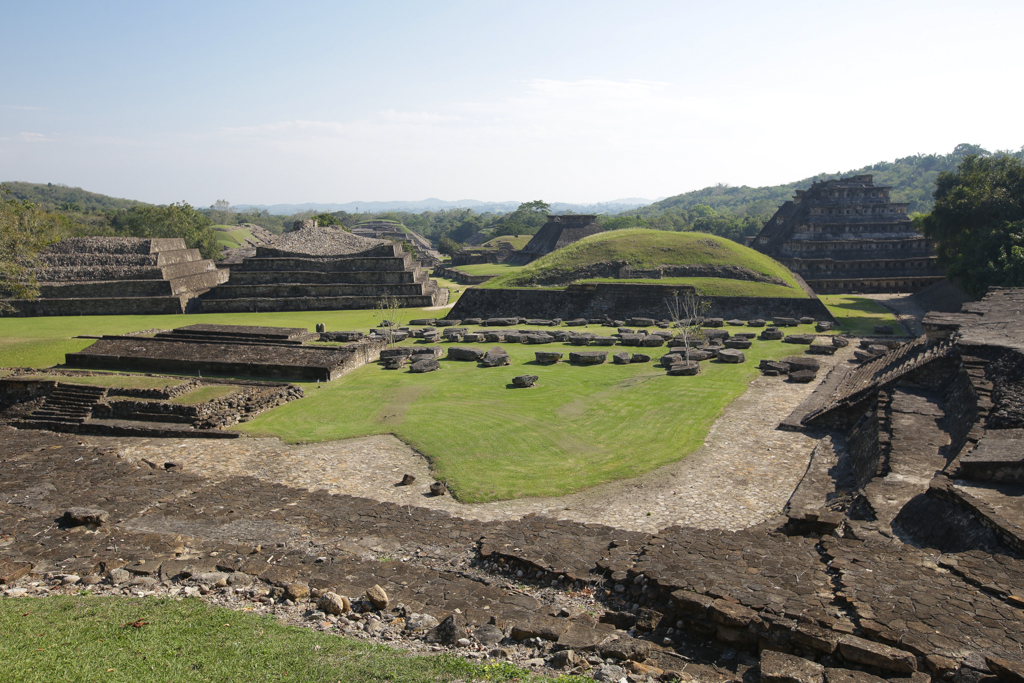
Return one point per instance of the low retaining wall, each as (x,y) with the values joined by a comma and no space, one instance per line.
(460,277)
(619,302)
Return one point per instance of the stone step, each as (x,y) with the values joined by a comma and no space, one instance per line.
(152,429)
(312,277)
(256,304)
(141,305)
(284,290)
(324,265)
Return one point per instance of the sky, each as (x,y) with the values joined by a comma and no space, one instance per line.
(271,102)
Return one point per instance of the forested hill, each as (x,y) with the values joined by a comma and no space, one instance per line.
(58,197)
(912,180)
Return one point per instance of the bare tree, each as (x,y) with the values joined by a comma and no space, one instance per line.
(688,313)
(386,311)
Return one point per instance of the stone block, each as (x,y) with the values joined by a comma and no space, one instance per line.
(802,376)
(806,320)
(731,356)
(626,648)
(840,342)
(860,651)
(78,516)
(621,358)
(548,357)
(651,340)
(588,357)
(713,322)
(1006,670)
(640,358)
(465,353)
(400,352)
(10,572)
(603,341)
(772,334)
(538,626)
(833,675)
(641,322)
(496,357)
(525,381)
(737,343)
(798,339)
(731,614)
(773,366)
(756,323)
(822,326)
(785,322)
(816,638)
(777,667)
(425,366)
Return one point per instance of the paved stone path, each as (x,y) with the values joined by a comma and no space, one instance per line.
(742,476)
(905,310)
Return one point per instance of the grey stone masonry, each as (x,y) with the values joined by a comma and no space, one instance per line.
(324,269)
(119,275)
(846,235)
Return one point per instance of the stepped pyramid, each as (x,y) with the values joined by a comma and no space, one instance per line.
(848,236)
(316,268)
(119,276)
(558,232)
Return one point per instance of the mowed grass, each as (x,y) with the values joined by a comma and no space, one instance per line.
(858,316)
(85,638)
(489,269)
(717,286)
(643,248)
(581,426)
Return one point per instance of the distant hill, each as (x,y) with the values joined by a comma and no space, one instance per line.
(60,197)
(912,179)
(433,204)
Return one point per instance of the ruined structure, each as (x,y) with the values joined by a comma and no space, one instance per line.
(396,232)
(120,276)
(316,268)
(847,236)
(233,350)
(558,232)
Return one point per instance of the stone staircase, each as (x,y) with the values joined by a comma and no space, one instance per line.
(277,281)
(65,409)
(119,275)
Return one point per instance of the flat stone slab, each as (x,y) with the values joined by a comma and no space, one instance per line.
(777,667)
(465,353)
(495,357)
(640,358)
(999,456)
(731,356)
(621,358)
(737,343)
(588,357)
(799,339)
(772,334)
(684,369)
(548,357)
(425,366)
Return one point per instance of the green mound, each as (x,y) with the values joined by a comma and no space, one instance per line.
(231,236)
(643,248)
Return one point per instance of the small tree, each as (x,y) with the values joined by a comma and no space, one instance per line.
(688,313)
(387,315)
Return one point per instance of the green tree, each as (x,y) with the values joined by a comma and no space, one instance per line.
(326,219)
(173,220)
(448,246)
(25,230)
(525,220)
(978,222)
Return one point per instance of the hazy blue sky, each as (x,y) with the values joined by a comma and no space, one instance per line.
(266,102)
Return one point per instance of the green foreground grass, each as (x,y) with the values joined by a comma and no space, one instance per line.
(122,640)
(858,316)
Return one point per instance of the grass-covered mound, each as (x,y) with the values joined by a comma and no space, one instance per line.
(517,241)
(641,249)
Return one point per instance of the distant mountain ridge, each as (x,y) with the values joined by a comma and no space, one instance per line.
(434,204)
(57,197)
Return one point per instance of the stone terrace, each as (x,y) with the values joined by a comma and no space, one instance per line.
(120,276)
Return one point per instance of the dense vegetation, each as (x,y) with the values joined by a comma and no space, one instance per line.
(25,230)
(978,222)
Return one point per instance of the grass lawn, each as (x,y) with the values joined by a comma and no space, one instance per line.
(86,638)
(489,269)
(204,394)
(455,290)
(858,316)
(580,427)
(718,286)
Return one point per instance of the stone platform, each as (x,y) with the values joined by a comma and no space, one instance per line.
(324,269)
(230,350)
(119,276)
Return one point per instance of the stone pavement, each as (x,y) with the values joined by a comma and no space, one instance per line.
(742,476)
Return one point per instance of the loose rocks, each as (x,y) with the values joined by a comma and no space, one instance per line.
(772,334)
(332,603)
(621,358)
(378,596)
(438,489)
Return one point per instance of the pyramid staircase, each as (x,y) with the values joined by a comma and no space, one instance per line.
(271,281)
(119,275)
(66,408)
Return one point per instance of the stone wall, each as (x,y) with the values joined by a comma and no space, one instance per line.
(619,302)
(460,277)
